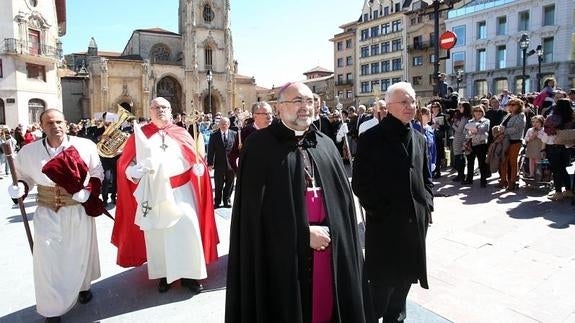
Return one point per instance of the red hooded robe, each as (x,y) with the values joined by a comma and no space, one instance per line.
(126,235)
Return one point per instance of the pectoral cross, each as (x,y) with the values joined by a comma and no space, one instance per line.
(146,208)
(163,146)
(314,188)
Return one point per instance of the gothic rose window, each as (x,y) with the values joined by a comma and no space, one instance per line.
(208,13)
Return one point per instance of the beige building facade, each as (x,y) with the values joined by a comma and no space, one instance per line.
(344,65)
(380,48)
(420,48)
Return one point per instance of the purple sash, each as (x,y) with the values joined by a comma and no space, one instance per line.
(322,294)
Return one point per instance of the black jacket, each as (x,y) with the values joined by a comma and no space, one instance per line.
(393,184)
(269,277)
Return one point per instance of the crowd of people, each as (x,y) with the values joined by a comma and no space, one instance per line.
(294,253)
(515,135)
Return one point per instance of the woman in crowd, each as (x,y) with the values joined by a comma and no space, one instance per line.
(440,128)
(514,124)
(459,121)
(558,155)
(478,132)
(423,117)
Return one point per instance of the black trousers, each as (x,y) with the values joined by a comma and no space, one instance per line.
(110,178)
(559,158)
(479,151)
(224,184)
(389,302)
(459,165)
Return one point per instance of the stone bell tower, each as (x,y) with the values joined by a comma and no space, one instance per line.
(207,46)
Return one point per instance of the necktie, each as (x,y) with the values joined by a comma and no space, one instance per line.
(225,137)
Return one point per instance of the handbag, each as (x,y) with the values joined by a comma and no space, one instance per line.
(467,146)
(565,137)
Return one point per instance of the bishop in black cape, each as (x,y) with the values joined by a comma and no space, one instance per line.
(269,265)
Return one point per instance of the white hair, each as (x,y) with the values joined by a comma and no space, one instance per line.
(161,101)
(403,86)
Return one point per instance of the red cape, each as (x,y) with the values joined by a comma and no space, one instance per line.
(126,235)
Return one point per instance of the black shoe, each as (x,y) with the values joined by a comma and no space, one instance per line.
(194,286)
(227,206)
(467,182)
(217,206)
(85,296)
(53,319)
(163,285)
(483,184)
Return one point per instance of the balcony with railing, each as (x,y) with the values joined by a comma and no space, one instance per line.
(422,45)
(344,82)
(33,51)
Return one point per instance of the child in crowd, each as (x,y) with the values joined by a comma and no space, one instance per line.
(533,140)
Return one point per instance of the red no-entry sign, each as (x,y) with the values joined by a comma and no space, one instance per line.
(447,40)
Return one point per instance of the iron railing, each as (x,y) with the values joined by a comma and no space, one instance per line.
(17,46)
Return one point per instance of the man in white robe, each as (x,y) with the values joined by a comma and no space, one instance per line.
(171,203)
(65,256)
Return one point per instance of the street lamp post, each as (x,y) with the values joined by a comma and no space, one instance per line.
(209,78)
(524,44)
(539,52)
(458,78)
(436,7)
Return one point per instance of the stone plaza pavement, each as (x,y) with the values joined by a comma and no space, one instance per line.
(492,257)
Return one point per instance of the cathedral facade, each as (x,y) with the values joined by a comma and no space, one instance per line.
(194,69)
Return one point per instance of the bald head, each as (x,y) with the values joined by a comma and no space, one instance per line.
(296,106)
(160,101)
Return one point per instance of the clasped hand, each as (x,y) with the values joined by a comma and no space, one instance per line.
(319,238)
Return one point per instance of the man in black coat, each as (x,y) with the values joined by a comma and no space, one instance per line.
(321,121)
(273,243)
(219,147)
(393,184)
(263,116)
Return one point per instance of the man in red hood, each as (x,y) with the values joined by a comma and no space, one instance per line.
(177,236)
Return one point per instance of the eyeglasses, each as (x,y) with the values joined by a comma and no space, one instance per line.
(405,103)
(307,101)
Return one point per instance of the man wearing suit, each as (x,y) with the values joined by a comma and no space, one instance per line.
(219,147)
(393,184)
(356,121)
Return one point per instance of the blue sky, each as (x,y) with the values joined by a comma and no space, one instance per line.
(275,40)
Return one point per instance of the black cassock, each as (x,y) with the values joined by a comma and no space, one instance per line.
(269,265)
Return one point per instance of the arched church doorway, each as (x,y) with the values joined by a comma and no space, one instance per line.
(170,89)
